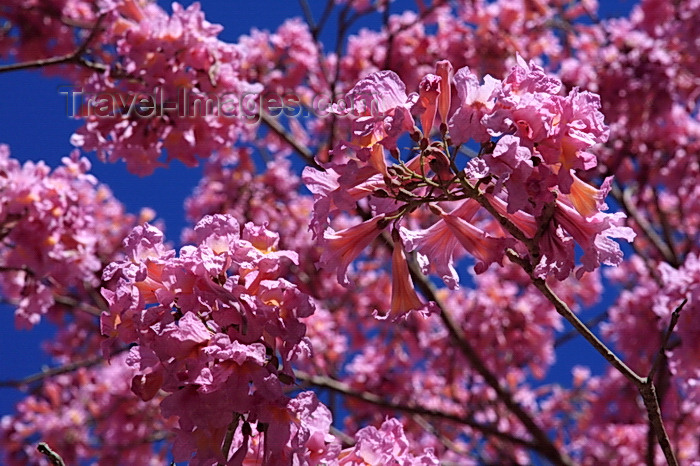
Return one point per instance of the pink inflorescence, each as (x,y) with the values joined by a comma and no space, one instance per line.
(532,144)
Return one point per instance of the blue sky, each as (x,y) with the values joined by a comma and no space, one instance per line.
(33,122)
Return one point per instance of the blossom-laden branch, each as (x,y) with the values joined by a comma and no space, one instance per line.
(547,220)
(233,305)
(541,443)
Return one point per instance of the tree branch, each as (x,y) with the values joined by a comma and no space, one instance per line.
(563,310)
(345,389)
(623,198)
(651,403)
(675,315)
(644,385)
(542,442)
(48,373)
(301,149)
(73,57)
(51,455)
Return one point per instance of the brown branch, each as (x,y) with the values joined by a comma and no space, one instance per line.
(48,373)
(666,229)
(22,268)
(228,438)
(675,315)
(563,310)
(432,430)
(75,304)
(301,149)
(663,382)
(346,440)
(644,225)
(644,385)
(53,457)
(542,443)
(345,389)
(571,334)
(651,403)
(73,57)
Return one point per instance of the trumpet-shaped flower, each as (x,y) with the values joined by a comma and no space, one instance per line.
(343,247)
(428,93)
(594,235)
(445,71)
(486,249)
(403,295)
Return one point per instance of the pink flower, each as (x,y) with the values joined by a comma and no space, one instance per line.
(310,439)
(586,199)
(486,249)
(343,247)
(382,108)
(57,227)
(444,70)
(524,221)
(162,60)
(403,295)
(557,254)
(436,246)
(594,235)
(576,126)
(339,187)
(474,101)
(428,94)
(386,445)
(512,163)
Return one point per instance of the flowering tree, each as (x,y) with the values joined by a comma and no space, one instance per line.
(384,281)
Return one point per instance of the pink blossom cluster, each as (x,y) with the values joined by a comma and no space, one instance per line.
(58,229)
(195,98)
(216,327)
(217,330)
(86,415)
(532,141)
(482,35)
(212,348)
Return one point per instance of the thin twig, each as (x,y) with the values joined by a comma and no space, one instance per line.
(73,57)
(76,304)
(662,351)
(571,334)
(48,373)
(666,229)
(308,16)
(228,439)
(343,437)
(644,225)
(51,455)
(301,149)
(345,389)
(431,429)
